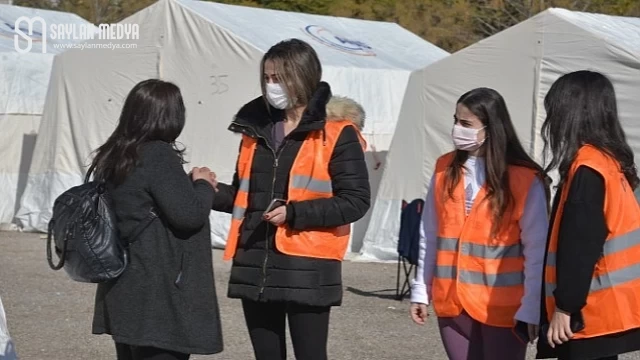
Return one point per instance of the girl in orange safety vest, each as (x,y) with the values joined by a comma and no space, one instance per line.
(482,237)
(591,283)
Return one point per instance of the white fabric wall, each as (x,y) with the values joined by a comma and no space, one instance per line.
(82,108)
(573,43)
(237,74)
(23,86)
(521,63)
(217,72)
(17,142)
(505,62)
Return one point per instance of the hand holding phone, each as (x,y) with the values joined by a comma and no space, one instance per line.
(275,203)
(276,212)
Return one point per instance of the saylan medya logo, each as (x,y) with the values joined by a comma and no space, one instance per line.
(341,43)
(67,32)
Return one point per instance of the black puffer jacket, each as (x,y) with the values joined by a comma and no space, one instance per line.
(260,272)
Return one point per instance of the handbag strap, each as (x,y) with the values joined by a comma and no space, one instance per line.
(142,226)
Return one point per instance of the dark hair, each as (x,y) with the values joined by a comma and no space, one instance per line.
(501,148)
(153,110)
(298,68)
(581,110)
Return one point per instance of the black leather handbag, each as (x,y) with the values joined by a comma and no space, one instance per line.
(87,242)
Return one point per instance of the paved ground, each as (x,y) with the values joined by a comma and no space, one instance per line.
(50,316)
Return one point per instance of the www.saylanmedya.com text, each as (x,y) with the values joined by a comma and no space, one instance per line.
(72,36)
(84,46)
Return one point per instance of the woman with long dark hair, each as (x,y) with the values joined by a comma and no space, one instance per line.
(164,304)
(482,237)
(591,304)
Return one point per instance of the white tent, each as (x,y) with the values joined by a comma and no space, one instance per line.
(521,63)
(23,84)
(212,51)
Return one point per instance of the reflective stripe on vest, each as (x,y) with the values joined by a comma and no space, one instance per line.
(241,203)
(613,278)
(484,252)
(311,184)
(309,179)
(238,211)
(475,272)
(614,293)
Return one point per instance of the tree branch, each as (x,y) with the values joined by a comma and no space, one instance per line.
(485,24)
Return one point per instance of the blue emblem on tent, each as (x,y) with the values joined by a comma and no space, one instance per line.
(9,30)
(341,43)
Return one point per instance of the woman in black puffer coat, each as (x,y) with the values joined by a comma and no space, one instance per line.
(287,263)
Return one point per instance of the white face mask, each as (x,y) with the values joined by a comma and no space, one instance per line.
(466,139)
(277,96)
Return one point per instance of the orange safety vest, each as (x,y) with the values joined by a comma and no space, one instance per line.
(309,179)
(475,272)
(614,295)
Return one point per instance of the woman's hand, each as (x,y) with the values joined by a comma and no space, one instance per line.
(419,313)
(204,173)
(213,180)
(277,216)
(559,328)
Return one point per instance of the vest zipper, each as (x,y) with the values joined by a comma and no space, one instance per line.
(276,156)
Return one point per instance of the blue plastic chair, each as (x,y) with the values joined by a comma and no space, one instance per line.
(408,245)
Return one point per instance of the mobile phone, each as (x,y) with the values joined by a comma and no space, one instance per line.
(576,322)
(275,203)
(521,331)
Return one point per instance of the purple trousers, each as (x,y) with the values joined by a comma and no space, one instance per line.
(467,339)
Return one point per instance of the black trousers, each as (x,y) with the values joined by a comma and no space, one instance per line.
(130,352)
(308,326)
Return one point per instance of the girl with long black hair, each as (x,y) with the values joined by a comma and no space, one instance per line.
(591,303)
(164,304)
(482,236)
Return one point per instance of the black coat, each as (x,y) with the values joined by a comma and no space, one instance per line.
(260,272)
(166,296)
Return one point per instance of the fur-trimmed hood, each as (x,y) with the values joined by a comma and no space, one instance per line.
(344,108)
